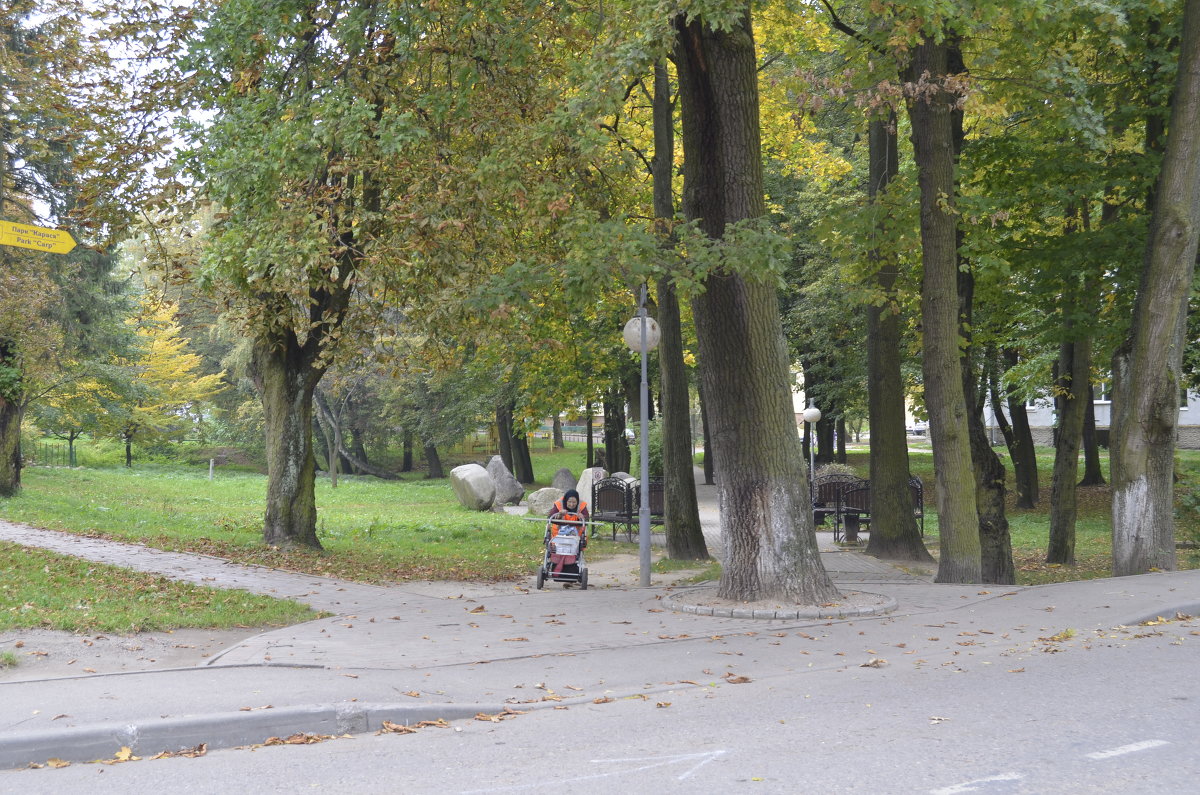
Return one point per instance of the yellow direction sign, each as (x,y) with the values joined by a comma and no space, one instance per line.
(39,238)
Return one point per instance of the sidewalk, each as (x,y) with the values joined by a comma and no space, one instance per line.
(424,651)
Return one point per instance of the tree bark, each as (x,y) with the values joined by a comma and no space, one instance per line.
(933,144)
(504,433)
(709,459)
(10,444)
(685,538)
(406,464)
(285,376)
(1093,474)
(766,517)
(616,446)
(433,462)
(557,434)
(1147,368)
(1021,449)
(894,531)
(591,442)
(1071,394)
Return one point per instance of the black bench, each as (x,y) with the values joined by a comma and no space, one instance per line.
(618,502)
(853,509)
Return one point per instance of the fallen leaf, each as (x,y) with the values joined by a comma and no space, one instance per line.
(663,704)
(877,662)
(601,700)
(350,676)
(1016,670)
(516,640)
(396,728)
(253,709)
(90,670)
(64,715)
(735,679)
(19,644)
(480,609)
(125,755)
(440,723)
(937,719)
(56,762)
(413,694)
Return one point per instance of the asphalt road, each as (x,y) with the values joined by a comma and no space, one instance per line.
(1103,712)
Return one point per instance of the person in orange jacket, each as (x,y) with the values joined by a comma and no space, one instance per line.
(573,509)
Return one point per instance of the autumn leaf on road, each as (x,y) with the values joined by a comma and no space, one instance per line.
(877,662)
(735,679)
(396,728)
(602,700)
(480,609)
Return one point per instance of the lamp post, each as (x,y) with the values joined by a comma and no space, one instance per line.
(812,415)
(641,334)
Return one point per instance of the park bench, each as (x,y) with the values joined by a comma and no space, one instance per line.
(617,501)
(826,493)
(853,508)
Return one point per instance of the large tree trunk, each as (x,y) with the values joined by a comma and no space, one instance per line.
(933,145)
(1071,394)
(685,538)
(591,442)
(10,442)
(616,446)
(521,458)
(766,518)
(433,462)
(1146,369)
(328,424)
(556,434)
(406,463)
(709,460)
(504,433)
(285,377)
(1093,474)
(1021,448)
(894,531)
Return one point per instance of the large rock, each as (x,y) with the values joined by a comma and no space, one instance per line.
(563,479)
(586,480)
(542,500)
(509,490)
(473,486)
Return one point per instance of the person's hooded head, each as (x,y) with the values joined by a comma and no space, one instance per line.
(571,494)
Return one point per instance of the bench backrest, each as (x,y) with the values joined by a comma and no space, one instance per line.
(857,498)
(827,489)
(611,496)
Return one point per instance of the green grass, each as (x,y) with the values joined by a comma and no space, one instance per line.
(42,589)
(8,659)
(372,530)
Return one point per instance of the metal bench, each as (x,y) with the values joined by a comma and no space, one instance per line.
(617,501)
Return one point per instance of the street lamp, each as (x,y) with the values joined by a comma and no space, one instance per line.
(641,334)
(812,415)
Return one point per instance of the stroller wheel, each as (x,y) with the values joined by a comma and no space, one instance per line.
(541,578)
(583,580)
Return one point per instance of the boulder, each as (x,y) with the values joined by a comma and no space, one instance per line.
(509,490)
(542,500)
(563,480)
(586,480)
(473,486)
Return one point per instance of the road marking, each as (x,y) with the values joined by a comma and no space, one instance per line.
(971,786)
(650,762)
(1132,748)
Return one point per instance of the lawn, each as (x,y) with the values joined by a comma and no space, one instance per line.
(42,589)
(372,530)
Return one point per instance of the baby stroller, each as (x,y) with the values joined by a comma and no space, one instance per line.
(563,559)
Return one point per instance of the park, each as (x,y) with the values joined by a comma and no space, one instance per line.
(910,372)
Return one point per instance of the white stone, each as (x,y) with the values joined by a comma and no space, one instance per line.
(509,490)
(473,486)
(542,500)
(589,476)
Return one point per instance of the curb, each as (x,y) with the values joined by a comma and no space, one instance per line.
(679,602)
(219,730)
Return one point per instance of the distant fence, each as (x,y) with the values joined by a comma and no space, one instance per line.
(45,454)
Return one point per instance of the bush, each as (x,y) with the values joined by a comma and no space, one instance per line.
(836,469)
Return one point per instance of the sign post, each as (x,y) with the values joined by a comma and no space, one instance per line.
(38,238)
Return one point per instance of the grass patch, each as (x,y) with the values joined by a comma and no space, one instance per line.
(372,530)
(8,659)
(705,570)
(45,590)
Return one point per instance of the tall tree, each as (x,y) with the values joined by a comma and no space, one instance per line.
(1147,368)
(766,520)
(685,538)
(930,107)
